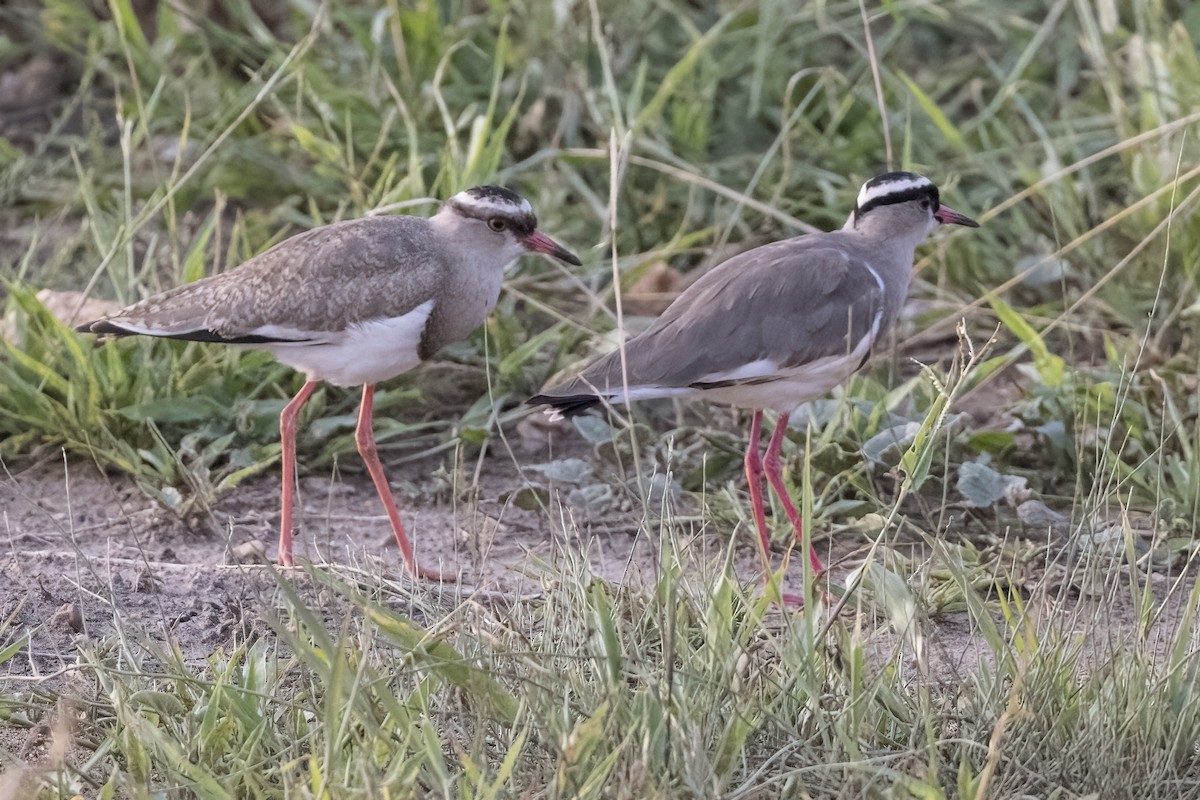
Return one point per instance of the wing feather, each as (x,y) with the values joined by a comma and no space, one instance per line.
(297,289)
(806,301)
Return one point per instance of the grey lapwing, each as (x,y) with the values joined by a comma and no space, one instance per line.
(776,326)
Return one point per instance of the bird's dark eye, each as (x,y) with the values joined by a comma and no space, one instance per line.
(497,224)
(926,204)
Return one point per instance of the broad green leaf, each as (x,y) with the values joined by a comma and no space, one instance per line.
(939,118)
(1051,368)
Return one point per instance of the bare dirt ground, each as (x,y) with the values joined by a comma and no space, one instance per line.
(80,545)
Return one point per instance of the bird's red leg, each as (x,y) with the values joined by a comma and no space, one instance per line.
(365,438)
(754,477)
(287,438)
(773,466)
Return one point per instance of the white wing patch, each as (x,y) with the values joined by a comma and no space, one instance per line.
(787,389)
(618,394)
(775,388)
(295,335)
(762,368)
(150,330)
(365,352)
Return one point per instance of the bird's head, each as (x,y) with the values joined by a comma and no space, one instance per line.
(902,204)
(500,219)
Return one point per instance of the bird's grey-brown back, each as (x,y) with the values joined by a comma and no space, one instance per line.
(322,280)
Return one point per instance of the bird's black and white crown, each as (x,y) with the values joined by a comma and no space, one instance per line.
(491,200)
(894,187)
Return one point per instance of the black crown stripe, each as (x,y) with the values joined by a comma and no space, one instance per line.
(520,221)
(915,193)
(491,192)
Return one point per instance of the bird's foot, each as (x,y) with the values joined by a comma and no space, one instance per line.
(285,547)
(429,574)
(792,601)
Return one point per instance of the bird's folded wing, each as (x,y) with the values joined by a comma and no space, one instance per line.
(770,310)
(303,290)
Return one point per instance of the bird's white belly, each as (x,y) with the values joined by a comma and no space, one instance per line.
(763,383)
(791,388)
(365,352)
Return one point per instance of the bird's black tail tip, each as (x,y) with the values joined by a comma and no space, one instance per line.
(102,327)
(566,406)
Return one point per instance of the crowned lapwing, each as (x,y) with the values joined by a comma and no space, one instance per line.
(352,303)
(776,326)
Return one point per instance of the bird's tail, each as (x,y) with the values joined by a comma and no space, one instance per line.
(104,327)
(565,405)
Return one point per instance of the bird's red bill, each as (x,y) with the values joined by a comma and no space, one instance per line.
(948,216)
(539,242)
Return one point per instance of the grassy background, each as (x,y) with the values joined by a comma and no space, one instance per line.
(160,151)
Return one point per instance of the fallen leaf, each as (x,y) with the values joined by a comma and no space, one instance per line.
(983,486)
(650,294)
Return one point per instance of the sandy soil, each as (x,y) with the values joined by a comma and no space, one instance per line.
(80,544)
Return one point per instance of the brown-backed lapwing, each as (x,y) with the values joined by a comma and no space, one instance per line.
(354,303)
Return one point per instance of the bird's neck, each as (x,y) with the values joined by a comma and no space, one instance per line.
(885,236)
(444,221)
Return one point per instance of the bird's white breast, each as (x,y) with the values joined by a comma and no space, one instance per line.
(365,352)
